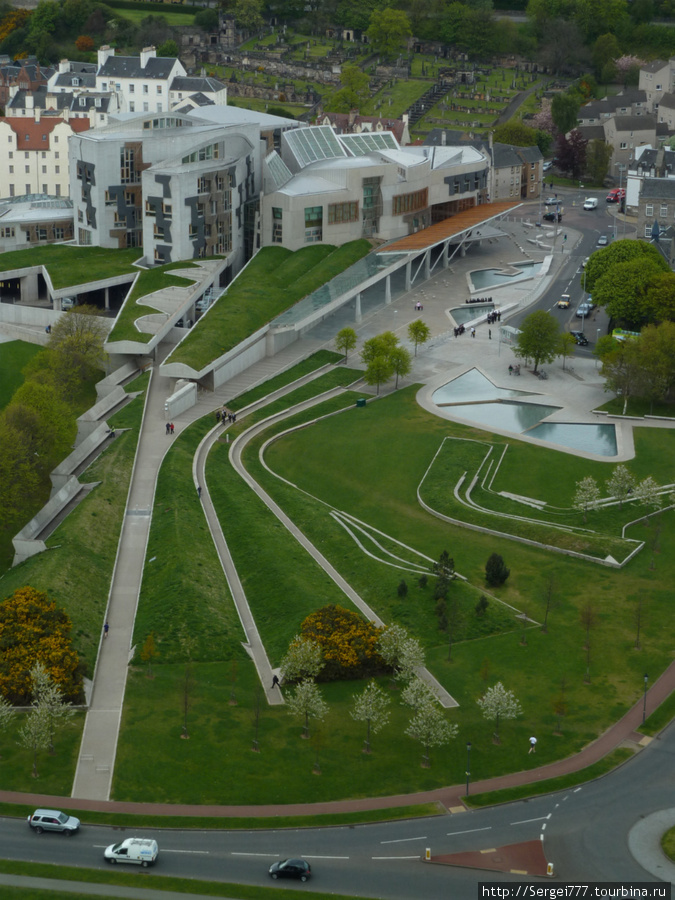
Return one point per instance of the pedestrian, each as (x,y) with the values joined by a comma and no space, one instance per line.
(473,332)
(533,745)
(168,428)
(106,628)
(510,370)
(199,490)
(172,428)
(218,415)
(275,681)
(489,334)
(234,418)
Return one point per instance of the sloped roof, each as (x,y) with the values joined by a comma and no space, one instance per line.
(657,189)
(187,84)
(157,67)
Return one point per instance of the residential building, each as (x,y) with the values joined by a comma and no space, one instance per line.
(626,134)
(34,219)
(354,123)
(25,74)
(656,204)
(141,83)
(328,188)
(516,172)
(627,103)
(657,78)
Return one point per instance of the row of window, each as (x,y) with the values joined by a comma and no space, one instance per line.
(649,210)
(204,153)
(26,154)
(412,202)
(30,189)
(57,170)
(116,86)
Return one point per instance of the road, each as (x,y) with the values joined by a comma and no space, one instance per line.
(584,830)
(591,224)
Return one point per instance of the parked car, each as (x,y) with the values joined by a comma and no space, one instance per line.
(583,311)
(53,820)
(585,262)
(551,201)
(580,338)
(564,302)
(616,194)
(141,851)
(68,302)
(590,203)
(291,868)
(547,165)
(555,216)
(602,240)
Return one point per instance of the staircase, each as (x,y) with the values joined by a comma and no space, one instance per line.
(435,93)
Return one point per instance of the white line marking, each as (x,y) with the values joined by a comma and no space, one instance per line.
(241,853)
(397,857)
(470,831)
(543,827)
(526,821)
(402,840)
(325,857)
(197,852)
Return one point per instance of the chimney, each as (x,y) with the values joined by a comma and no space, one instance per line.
(146,54)
(64,67)
(104,53)
(444,138)
(37,115)
(30,101)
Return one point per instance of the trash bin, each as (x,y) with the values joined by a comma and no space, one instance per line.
(361,401)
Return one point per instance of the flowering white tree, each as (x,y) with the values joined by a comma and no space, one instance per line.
(586,496)
(400,651)
(429,727)
(497,703)
(543,120)
(372,707)
(303,659)
(307,703)
(417,694)
(6,713)
(34,734)
(647,493)
(48,697)
(621,484)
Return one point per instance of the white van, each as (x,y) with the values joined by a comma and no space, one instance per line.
(141,851)
(590,203)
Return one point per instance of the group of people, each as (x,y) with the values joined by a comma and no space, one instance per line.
(514,370)
(460,329)
(170,427)
(226,416)
(478,300)
(418,305)
(493,317)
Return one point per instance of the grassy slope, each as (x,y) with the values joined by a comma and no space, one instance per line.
(272,282)
(68,264)
(14,355)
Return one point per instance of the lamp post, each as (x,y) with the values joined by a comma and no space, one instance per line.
(644,707)
(468,764)
(621,167)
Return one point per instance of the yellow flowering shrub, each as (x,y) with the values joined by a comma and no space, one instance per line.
(32,629)
(349,643)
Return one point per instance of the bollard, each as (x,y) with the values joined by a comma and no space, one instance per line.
(427,854)
(549,869)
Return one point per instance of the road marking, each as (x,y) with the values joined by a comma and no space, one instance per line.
(197,852)
(471,831)
(241,853)
(402,840)
(396,857)
(325,857)
(526,821)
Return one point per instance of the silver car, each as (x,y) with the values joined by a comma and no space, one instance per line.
(53,820)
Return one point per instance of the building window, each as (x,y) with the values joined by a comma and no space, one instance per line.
(27,191)
(132,107)
(664,210)
(150,209)
(166,209)
(159,89)
(44,154)
(80,216)
(42,234)
(339,213)
(132,88)
(313,224)
(277,229)
(146,89)
(649,210)
(129,198)
(202,185)
(26,154)
(44,170)
(648,231)
(59,233)
(44,189)
(7,232)
(58,190)
(146,107)
(11,190)
(623,145)
(407,203)
(11,170)
(128,174)
(57,170)
(83,236)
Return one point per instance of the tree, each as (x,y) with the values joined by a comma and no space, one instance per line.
(401,363)
(345,340)
(621,484)
(565,112)
(84,43)
(538,339)
(77,341)
(168,49)
(306,702)
(6,713)
(497,703)
(349,643)
(354,92)
(401,653)
(46,421)
(48,698)
(657,360)
(419,333)
(429,727)
(372,707)
(598,156)
(647,493)
(622,370)
(566,346)
(33,629)
(303,659)
(586,496)
(380,369)
(605,260)
(514,132)
(379,346)
(34,735)
(388,30)
(417,694)
(571,153)
(21,487)
(496,571)
(549,600)
(624,291)
(149,651)
(248,14)
(605,50)
(207,19)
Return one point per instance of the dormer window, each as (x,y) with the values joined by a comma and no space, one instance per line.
(97,101)
(83,101)
(75,82)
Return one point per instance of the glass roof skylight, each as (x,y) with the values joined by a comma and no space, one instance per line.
(368,142)
(309,145)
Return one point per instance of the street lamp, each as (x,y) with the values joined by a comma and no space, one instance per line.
(644,708)
(468,764)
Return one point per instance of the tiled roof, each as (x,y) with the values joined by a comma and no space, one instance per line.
(655,66)
(658,189)
(157,67)
(635,123)
(667,100)
(186,84)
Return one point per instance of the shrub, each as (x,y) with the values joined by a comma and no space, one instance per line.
(349,643)
(496,572)
(402,588)
(482,605)
(33,630)
(84,43)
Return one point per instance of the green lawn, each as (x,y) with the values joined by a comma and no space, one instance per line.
(271,283)
(397,99)
(167,12)
(69,265)
(14,356)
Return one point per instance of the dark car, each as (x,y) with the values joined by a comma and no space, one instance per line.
(291,868)
(580,338)
(553,216)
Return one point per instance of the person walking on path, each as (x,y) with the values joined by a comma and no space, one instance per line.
(533,745)
(199,490)
(275,681)
(106,628)
(171,426)
(168,427)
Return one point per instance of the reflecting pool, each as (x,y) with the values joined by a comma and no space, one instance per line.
(600,439)
(485,278)
(464,314)
(473,387)
(507,415)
